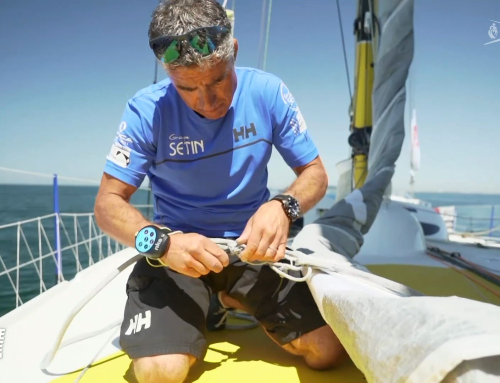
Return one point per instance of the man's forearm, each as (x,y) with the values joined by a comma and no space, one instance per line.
(118,218)
(309,187)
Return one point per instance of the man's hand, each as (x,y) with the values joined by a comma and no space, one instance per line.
(265,234)
(194,255)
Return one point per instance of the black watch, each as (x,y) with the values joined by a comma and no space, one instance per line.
(152,241)
(290,206)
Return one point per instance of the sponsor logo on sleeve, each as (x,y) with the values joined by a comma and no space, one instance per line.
(298,124)
(122,138)
(288,98)
(120,155)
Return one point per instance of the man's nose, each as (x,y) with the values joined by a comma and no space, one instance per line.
(206,98)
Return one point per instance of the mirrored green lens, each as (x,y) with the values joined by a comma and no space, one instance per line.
(197,43)
(172,52)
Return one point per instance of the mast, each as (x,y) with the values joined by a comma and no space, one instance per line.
(365,30)
(378,105)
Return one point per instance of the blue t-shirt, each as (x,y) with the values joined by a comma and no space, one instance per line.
(209,176)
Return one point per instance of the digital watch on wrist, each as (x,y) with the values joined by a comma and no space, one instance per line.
(152,241)
(290,206)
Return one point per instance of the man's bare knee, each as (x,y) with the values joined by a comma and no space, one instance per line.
(163,368)
(320,348)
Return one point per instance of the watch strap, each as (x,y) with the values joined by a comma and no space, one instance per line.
(290,206)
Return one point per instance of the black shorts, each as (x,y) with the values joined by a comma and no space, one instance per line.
(166,311)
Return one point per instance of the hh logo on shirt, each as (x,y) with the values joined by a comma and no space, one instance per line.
(244,132)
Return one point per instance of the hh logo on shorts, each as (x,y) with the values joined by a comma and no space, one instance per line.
(138,322)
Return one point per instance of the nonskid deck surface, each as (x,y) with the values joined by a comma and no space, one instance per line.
(483,256)
(239,356)
(438,281)
(250,356)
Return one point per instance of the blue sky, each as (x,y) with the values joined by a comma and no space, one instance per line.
(67,69)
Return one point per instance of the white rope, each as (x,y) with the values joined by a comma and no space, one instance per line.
(77,380)
(298,261)
(57,342)
(231,247)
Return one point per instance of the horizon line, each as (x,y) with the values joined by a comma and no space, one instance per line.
(329,186)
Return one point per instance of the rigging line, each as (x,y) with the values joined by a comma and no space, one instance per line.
(155,80)
(267,34)
(480,268)
(343,47)
(457,261)
(46,175)
(26,172)
(464,274)
(261,36)
(476,233)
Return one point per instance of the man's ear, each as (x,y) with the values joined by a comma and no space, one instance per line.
(235,49)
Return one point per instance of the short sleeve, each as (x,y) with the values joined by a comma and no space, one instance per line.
(133,150)
(290,136)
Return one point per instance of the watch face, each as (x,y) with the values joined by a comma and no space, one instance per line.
(293,208)
(290,206)
(152,242)
(145,239)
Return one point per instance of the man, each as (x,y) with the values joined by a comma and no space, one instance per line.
(204,137)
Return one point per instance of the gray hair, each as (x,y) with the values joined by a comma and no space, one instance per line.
(176,17)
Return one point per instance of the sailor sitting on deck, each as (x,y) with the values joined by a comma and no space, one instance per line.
(204,138)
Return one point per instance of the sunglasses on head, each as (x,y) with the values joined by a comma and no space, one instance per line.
(203,40)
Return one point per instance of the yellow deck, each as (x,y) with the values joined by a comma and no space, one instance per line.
(250,356)
(233,356)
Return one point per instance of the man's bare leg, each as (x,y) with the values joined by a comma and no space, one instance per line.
(320,348)
(163,368)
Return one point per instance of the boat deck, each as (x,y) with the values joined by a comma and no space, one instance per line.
(233,355)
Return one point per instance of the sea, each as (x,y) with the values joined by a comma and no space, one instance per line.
(475,212)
